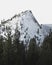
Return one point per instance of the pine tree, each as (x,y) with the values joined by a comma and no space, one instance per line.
(32,54)
(1,49)
(22,53)
(46,52)
(7,46)
(19,50)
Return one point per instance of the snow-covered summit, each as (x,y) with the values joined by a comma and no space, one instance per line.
(26,24)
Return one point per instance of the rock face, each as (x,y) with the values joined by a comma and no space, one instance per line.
(27,25)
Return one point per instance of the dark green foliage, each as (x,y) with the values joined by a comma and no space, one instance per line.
(15,53)
(1,49)
(19,51)
(32,53)
(46,52)
(7,46)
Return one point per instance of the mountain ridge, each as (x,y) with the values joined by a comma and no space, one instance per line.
(27,25)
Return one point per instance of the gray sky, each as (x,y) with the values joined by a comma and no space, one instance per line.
(42,9)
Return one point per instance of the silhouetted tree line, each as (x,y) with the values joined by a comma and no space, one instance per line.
(15,52)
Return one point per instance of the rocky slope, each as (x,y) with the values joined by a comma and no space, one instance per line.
(27,25)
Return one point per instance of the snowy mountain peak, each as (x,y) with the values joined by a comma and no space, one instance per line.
(26,24)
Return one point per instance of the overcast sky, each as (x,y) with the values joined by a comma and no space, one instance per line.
(42,9)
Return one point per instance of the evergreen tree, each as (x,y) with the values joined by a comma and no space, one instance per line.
(1,50)
(22,53)
(16,48)
(7,46)
(46,52)
(32,54)
(19,50)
